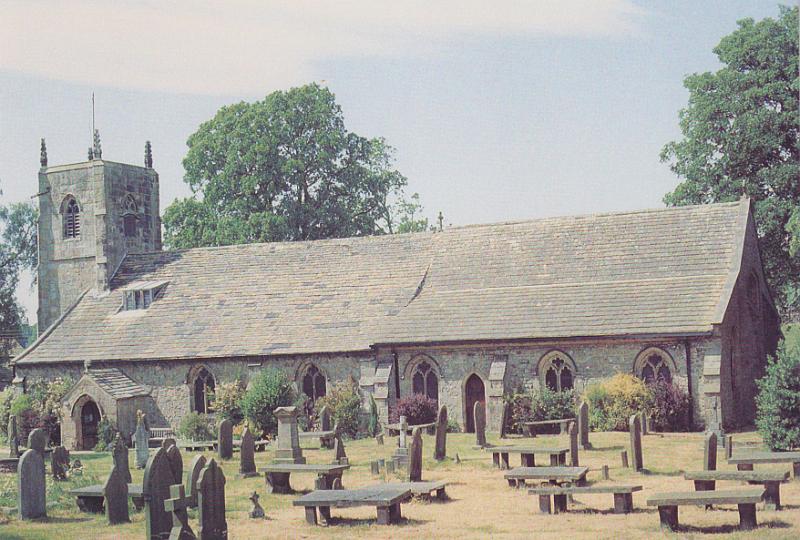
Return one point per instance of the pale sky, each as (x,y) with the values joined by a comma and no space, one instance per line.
(497,110)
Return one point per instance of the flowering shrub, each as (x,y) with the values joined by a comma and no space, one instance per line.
(670,410)
(613,401)
(519,411)
(344,403)
(417,409)
(197,427)
(226,399)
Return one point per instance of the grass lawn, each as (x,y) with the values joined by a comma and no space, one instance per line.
(481,503)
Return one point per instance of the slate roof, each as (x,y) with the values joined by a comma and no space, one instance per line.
(665,271)
(116,384)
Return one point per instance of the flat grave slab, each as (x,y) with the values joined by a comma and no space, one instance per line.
(623,496)
(771,480)
(91,498)
(555,475)
(669,502)
(385,497)
(561,423)
(426,489)
(277,475)
(558,455)
(744,461)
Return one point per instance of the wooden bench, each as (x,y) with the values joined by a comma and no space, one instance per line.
(554,475)
(744,461)
(668,504)
(706,481)
(561,423)
(558,455)
(433,488)
(385,497)
(623,496)
(277,475)
(326,438)
(91,498)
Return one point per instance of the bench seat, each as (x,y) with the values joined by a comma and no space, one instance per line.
(277,475)
(386,498)
(771,480)
(623,496)
(668,504)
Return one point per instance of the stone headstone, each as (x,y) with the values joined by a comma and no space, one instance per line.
(479,414)
(573,443)
(415,457)
(31,485)
(504,420)
(37,440)
(13,437)
(710,452)
(156,490)
(379,439)
(458,458)
(440,451)
(339,454)
(177,505)
(256,511)
(119,451)
(635,427)
(193,475)
(403,435)
(645,421)
(583,425)
(374,467)
(175,464)
(623,456)
(288,450)
(247,457)
(211,503)
(325,419)
(225,439)
(115,491)
(141,440)
(167,442)
(59,463)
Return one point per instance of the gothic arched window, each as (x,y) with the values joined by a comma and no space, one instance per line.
(72,218)
(129,216)
(557,371)
(654,365)
(314,383)
(203,387)
(424,381)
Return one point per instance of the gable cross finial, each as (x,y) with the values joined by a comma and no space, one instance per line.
(43,155)
(441,221)
(148,155)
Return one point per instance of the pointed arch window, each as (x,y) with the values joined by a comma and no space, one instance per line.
(314,385)
(130,216)
(72,218)
(424,381)
(654,365)
(557,371)
(203,387)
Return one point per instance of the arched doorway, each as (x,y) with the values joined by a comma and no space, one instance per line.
(473,392)
(90,416)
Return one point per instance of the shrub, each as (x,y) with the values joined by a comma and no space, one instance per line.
(452,426)
(344,403)
(778,399)
(417,408)
(670,409)
(549,405)
(270,390)
(373,426)
(106,432)
(519,411)
(6,398)
(226,401)
(197,427)
(613,401)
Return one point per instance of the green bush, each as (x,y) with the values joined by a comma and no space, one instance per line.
(344,403)
(519,411)
(226,401)
(452,426)
(613,401)
(106,433)
(6,398)
(549,405)
(197,427)
(373,426)
(778,399)
(270,390)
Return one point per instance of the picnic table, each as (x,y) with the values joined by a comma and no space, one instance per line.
(554,475)
(623,496)
(277,475)
(424,489)
(394,429)
(91,498)
(326,438)
(558,455)
(668,503)
(385,497)
(706,481)
(561,423)
(744,461)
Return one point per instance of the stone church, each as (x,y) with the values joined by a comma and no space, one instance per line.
(461,315)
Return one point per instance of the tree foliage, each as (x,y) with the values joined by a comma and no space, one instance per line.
(286,168)
(778,399)
(270,390)
(740,136)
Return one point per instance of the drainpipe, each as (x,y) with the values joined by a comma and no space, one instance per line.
(688,348)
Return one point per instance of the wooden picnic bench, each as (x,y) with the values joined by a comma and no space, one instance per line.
(385,497)
(706,481)
(433,488)
(558,455)
(554,475)
(277,475)
(326,438)
(562,424)
(91,498)
(668,504)
(623,496)
(744,461)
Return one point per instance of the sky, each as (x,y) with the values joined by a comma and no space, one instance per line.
(497,111)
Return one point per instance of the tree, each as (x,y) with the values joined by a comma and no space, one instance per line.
(740,137)
(778,399)
(284,168)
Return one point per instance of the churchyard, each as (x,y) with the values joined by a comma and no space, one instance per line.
(479,500)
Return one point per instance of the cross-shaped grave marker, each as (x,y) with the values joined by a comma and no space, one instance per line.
(177,504)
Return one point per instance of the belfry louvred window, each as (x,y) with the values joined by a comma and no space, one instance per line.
(72,219)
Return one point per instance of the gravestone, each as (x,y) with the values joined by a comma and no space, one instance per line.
(156,490)
(440,450)
(167,442)
(415,457)
(504,421)
(115,491)
(175,464)
(623,456)
(141,440)
(390,466)
(211,503)
(37,440)
(339,454)
(583,424)
(635,428)
(479,414)
(645,422)
(225,439)
(59,463)
(379,439)
(119,452)
(13,437)
(403,440)
(374,467)
(31,485)
(247,457)
(193,475)
(288,450)
(400,456)
(176,505)
(710,452)
(256,511)
(573,443)
(324,419)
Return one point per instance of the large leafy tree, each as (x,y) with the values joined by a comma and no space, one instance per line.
(285,168)
(740,137)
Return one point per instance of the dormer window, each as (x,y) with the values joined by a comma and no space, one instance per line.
(141,295)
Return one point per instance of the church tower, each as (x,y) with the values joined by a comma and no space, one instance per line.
(91,214)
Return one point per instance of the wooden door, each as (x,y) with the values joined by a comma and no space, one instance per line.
(90,416)
(473,392)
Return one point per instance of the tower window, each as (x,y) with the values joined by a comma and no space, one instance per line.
(129,225)
(129,216)
(72,219)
